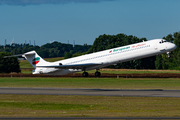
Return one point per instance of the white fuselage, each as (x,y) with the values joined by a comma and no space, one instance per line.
(112,56)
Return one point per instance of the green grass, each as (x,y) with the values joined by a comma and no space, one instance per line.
(25,64)
(108,83)
(54,59)
(90,106)
(87,106)
(26,71)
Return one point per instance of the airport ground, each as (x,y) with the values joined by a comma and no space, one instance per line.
(87,106)
(26,105)
(107,73)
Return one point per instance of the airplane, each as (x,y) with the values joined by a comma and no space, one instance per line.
(98,60)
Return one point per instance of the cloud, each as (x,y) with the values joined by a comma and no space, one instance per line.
(38,2)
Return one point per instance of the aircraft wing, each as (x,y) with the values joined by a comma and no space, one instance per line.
(73,66)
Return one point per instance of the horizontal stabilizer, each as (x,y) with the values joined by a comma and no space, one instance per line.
(13,55)
(19,55)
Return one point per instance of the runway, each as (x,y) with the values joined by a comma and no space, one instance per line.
(91,92)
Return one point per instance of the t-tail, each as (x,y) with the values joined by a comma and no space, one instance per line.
(33,58)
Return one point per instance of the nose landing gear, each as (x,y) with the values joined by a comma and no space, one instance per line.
(168,54)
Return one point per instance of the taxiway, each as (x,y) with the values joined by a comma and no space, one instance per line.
(91,92)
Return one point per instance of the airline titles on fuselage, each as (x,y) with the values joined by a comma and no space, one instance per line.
(112,52)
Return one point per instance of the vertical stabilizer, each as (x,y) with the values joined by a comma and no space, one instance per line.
(34,59)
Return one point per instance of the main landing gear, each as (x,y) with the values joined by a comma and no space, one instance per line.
(85,74)
(97,74)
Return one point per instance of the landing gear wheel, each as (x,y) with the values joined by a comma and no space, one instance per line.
(85,74)
(97,74)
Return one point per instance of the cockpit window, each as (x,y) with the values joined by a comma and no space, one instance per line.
(162,41)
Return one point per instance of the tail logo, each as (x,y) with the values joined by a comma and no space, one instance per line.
(35,60)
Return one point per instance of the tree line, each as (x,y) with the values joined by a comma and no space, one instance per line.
(103,42)
(49,50)
(8,65)
(162,61)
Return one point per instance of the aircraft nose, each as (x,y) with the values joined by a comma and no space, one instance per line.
(173,46)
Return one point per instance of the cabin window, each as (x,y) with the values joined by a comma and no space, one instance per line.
(60,64)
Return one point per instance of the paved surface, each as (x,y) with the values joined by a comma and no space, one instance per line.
(91,92)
